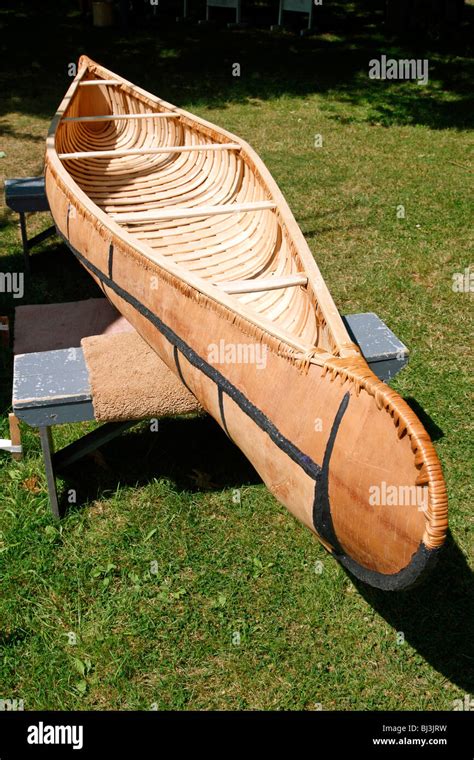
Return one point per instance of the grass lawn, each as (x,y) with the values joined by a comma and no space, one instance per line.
(158,591)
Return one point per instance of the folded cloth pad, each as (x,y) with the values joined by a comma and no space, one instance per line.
(130,382)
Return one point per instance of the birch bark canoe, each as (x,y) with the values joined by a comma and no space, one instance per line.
(188,235)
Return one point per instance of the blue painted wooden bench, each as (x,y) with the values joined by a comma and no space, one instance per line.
(24,195)
(49,389)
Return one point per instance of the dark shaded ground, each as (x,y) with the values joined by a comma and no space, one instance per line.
(194,453)
(437,616)
(187,63)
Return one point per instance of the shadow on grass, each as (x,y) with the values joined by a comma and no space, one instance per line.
(192,65)
(194,453)
(7,131)
(428,423)
(56,276)
(17,636)
(437,617)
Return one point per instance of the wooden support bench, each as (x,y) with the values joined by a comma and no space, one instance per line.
(49,389)
(24,195)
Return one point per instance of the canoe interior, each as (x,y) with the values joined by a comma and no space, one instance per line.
(222,249)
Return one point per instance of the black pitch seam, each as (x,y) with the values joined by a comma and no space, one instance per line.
(111,259)
(178,367)
(310,467)
(322,519)
(221,409)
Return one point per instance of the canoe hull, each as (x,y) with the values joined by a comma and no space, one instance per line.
(321,445)
(340,449)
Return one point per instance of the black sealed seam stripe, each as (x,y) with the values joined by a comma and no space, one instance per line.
(322,519)
(111,259)
(310,467)
(222,410)
(178,367)
(420,564)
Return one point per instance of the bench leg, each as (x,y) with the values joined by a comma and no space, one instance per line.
(15,435)
(88,443)
(24,241)
(47,447)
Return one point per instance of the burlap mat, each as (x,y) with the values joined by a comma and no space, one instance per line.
(130,382)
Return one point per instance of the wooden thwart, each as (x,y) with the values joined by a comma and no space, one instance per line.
(90,82)
(123,116)
(173,212)
(149,151)
(264,283)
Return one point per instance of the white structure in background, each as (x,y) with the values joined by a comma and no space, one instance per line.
(297,6)
(236,4)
